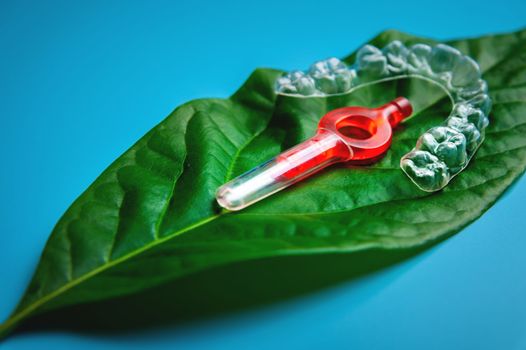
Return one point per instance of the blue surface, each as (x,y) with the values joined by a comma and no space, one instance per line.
(79,83)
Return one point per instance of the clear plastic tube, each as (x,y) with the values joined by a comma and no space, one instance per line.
(333,143)
(297,163)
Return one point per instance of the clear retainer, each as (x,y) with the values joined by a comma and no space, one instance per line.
(442,151)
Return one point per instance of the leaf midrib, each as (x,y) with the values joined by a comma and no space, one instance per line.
(35,305)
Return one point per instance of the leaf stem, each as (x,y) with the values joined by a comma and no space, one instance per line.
(7,326)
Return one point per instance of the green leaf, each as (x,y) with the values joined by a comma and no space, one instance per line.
(151,217)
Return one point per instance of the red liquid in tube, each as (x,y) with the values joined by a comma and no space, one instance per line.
(349,134)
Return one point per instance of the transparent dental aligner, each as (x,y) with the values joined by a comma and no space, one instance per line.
(442,151)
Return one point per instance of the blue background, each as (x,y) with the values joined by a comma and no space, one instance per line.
(79,83)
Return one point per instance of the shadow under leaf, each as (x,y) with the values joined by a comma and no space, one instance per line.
(217,291)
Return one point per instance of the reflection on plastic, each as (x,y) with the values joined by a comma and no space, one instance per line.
(356,134)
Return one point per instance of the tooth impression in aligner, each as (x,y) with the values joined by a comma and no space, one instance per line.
(441,152)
